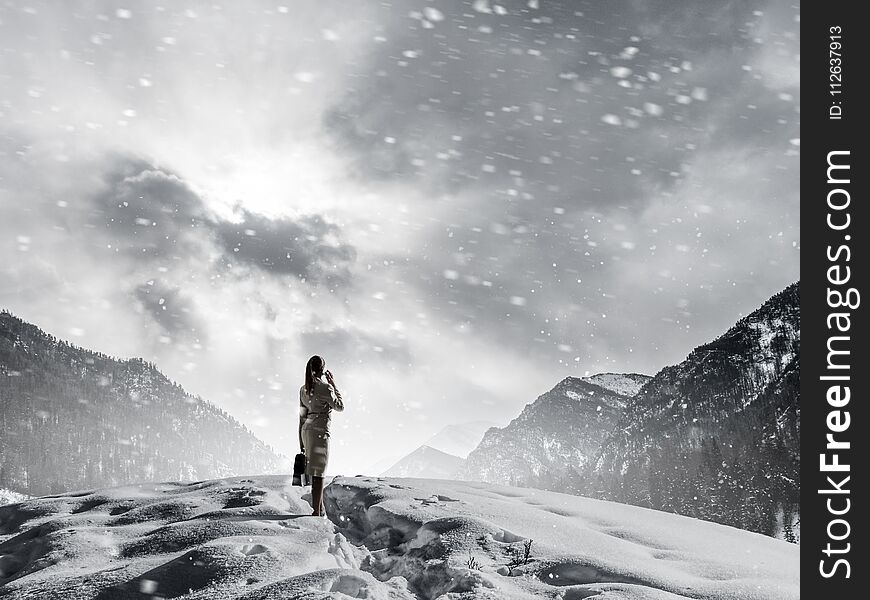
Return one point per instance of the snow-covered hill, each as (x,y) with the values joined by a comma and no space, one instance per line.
(426,462)
(387,539)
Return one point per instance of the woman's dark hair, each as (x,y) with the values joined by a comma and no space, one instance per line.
(313,369)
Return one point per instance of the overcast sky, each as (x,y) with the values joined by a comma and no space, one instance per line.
(457,203)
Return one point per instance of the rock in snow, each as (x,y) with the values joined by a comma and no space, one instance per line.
(397,539)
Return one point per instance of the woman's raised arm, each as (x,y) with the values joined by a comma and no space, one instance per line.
(334,397)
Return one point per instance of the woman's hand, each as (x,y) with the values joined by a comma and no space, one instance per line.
(331,382)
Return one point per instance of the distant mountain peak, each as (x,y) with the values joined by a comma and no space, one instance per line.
(442,456)
(426,462)
(459,438)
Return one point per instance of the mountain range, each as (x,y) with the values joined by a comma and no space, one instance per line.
(72,418)
(716,436)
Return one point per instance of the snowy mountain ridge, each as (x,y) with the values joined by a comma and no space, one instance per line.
(625,384)
(560,432)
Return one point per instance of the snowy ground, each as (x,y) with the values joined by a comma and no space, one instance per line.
(397,539)
(8,497)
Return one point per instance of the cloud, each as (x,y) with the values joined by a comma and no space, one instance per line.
(308,247)
(151,214)
(540,205)
(170,308)
(517,114)
(352,345)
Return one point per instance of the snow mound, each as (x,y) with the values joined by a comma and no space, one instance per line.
(480,540)
(246,538)
(387,539)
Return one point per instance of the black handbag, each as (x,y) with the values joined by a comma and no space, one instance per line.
(299,475)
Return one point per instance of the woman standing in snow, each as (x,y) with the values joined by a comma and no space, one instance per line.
(317,399)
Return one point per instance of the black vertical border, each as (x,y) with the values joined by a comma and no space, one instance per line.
(821,135)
